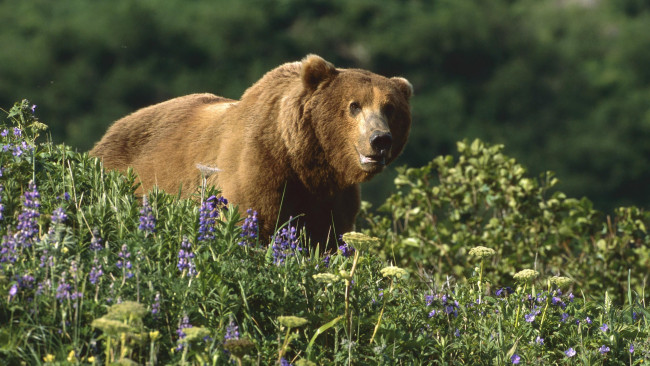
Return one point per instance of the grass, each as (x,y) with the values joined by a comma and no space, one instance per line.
(91,274)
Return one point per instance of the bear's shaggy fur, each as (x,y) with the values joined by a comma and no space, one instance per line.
(299,141)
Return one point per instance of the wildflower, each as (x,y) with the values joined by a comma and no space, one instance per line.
(604,327)
(631,348)
(588,320)
(96,241)
(345,249)
(326,278)
(292,321)
(457,333)
(284,362)
(249,228)
(530,317)
(359,241)
(326,261)
(526,275)
(232,331)
(28,219)
(186,259)
(432,313)
(63,289)
(515,359)
(482,252)
(2,207)
(560,281)
(285,243)
(570,352)
(58,216)
(95,272)
(154,335)
(208,213)
(504,291)
(539,341)
(429,299)
(13,290)
(570,296)
(17,132)
(124,263)
(603,349)
(239,347)
(91,359)
(182,325)
(71,356)
(393,271)
(565,316)
(155,308)
(49,358)
(9,248)
(147,219)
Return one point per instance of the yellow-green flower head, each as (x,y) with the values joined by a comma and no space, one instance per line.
(154,335)
(126,310)
(482,252)
(49,358)
(111,326)
(292,321)
(238,347)
(71,356)
(358,241)
(303,362)
(195,334)
(526,275)
(326,278)
(393,271)
(345,274)
(561,281)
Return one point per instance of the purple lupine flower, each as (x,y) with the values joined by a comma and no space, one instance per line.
(457,333)
(631,348)
(570,296)
(285,244)
(124,263)
(26,281)
(539,341)
(326,261)
(28,219)
(249,228)
(186,258)
(17,132)
(208,213)
(570,352)
(182,324)
(432,313)
(603,349)
(13,290)
(2,207)
(565,316)
(155,307)
(346,250)
(588,320)
(284,362)
(9,248)
(147,219)
(604,327)
(428,299)
(4,133)
(63,289)
(515,359)
(530,317)
(96,241)
(58,216)
(95,272)
(232,331)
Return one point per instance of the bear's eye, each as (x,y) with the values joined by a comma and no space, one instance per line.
(388,110)
(355,108)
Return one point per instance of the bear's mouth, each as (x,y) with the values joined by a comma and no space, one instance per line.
(372,162)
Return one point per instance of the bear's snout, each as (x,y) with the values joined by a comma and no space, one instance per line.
(381,142)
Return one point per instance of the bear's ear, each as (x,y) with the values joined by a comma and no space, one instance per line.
(403,86)
(315,70)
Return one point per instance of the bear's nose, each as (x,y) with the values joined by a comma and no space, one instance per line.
(381,141)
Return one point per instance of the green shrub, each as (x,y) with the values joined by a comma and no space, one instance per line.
(485,198)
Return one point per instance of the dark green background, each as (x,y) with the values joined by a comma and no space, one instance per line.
(564,84)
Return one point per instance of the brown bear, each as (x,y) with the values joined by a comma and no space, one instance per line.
(298,143)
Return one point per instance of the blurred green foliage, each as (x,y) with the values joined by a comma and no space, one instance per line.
(564,84)
(442,210)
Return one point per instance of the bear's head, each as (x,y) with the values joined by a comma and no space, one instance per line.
(360,119)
